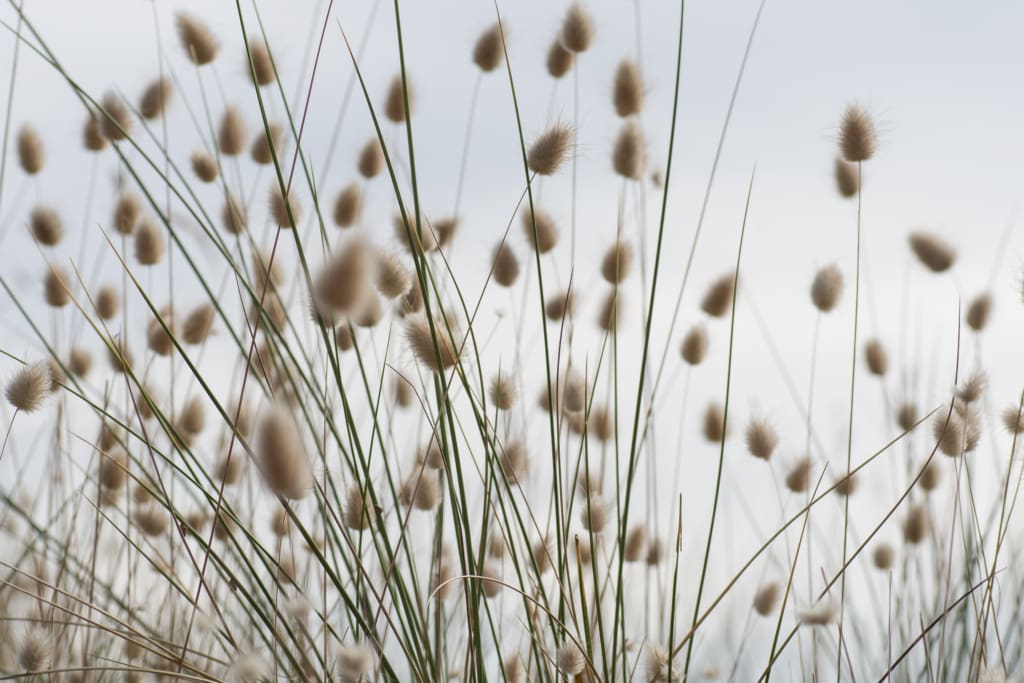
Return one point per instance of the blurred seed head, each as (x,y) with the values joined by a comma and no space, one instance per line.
(628,89)
(846,485)
(347,279)
(34,651)
(973,387)
(569,659)
(560,305)
(610,315)
(92,134)
(46,226)
(371,160)
(577,29)
(421,342)
(979,311)
(348,206)
(503,392)
(617,261)
(546,237)
(262,68)
(282,455)
(916,524)
(280,208)
(883,556)
(394,102)
(505,265)
(718,298)
(198,323)
(559,61)
(200,45)
(264,146)
(629,154)
(29,387)
(761,438)
(550,150)
(798,478)
(115,119)
(149,243)
(127,212)
(932,251)
(714,428)
(489,50)
(827,288)
(931,476)
(1013,419)
(857,137)
(766,597)
(56,286)
(231,132)
(847,178)
(906,415)
(876,357)
(233,216)
(155,98)
(694,345)
(635,549)
(79,361)
(393,279)
(31,154)
(204,166)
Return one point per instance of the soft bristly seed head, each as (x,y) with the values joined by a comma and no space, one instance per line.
(149,244)
(978,312)
(635,549)
(420,340)
(822,614)
(231,133)
(602,423)
(595,515)
(155,98)
(262,67)
(610,315)
(846,485)
(445,228)
(546,237)
(264,146)
(79,361)
(394,102)
(718,298)
(616,264)
(766,597)
(503,392)
(393,279)
(127,211)
(56,286)
(282,455)
(883,556)
(916,525)
(359,510)
(112,473)
(414,239)
(422,490)
(92,134)
(200,45)
(204,166)
(115,119)
(160,332)
(505,265)
(960,434)
(560,305)
(193,416)
(931,476)
(973,387)
(249,668)
(559,61)
(120,356)
(629,154)
(550,150)
(28,388)
(1013,419)
(348,206)
(514,461)
(569,659)
(31,155)
(857,138)
(152,520)
(371,160)
(46,226)
(932,251)
(628,89)
(761,438)
(280,208)
(714,422)
(489,50)
(876,357)
(233,216)
(348,278)
(355,664)
(34,652)
(847,178)
(694,346)
(906,415)
(655,552)
(577,29)
(826,288)
(198,323)
(799,476)
(231,469)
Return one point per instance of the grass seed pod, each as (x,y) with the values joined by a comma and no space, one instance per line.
(92,134)
(559,61)
(127,212)
(546,237)
(489,49)
(629,154)
(615,265)
(505,266)
(883,556)
(636,544)
(714,422)
(115,119)
(979,311)
(694,345)
(149,244)
(550,150)
(847,178)
(46,226)
(108,302)
(718,298)
(798,478)
(577,29)
(29,387)
(761,439)
(265,146)
(765,599)
(31,154)
(503,392)
(155,99)
(233,216)
(284,210)
(932,251)
(204,166)
(231,132)
(857,138)
(79,361)
(198,323)
(394,103)
(282,455)
(56,284)
(826,288)
(876,357)
(371,159)
(201,47)
(261,63)
(916,524)
(348,206)
(628,89)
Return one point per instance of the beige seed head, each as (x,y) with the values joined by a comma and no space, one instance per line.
(159,336)
(115,119)
(423,237)
(200,45)
(56,286)
(370,311)
(348,206)
(846,485)
(1013,420)
(233,216)
(714,417)
(282,456)
(826,288)
(931,476)
(655,552)
(403,392)
(34,652)
(155,98)
(610,315)
(822,614)
(857,138)
(602,423)
(916,525)
(280,522)
(629,154)
(628,89)
(262,68)
(92,134)
(577,29)
(230,470)
(108,302)
(79,361)
(635,549)
(569,659)
(546,237)
(906,415)
(394,102)
(847,178)
(264,146)
(505,265)
(371,160)
(973,387)
(345,282)
(120,356)
(766,597)
(445,228)
(513,668)
(393,279)
(489,50)
(876,357)
(280,208)
(883,556)
(932,251)
(550,150)
(31,155)
(29,387)
(560,305)
(422,490)
(718,298)
(761,438)
(359,511)
(127,211)
(193,416)
(514,460)
(149,244)
(559,61)
(418,336)
(503,392)
(490,584)
(198,324)
(616,264)
(266,273)
(799,476)
(112,469)
(152,520)
(231,132)
(204,166)
(960,434)
(694,345)
(46,226)
(978,312)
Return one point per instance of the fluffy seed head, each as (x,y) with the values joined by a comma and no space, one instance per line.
(595,514)
(28,388)
(503,392)
(718,298)
(249,668)
(34,652)
(233,216)
(616,263)
(559,61)
(883,556)
(152,520)
(916,524)
(655,552)
(1013,420)
(761,438)
(513,668)
(92,134)
(371,160)
(694,345)
(847,178)
(155,98)
(422,490)
(230,470)
(79,361)
(355,664)
(422,237)
(46,226)
(200,44)
(569,659)
(961,434)
(609,317)
(636,544)
(550,150)
(115,120)
(231,132)
(204,166)
(505,265)
(846,485)
(127,211)
(906,415)
(602,423)
(56,285)
(31,155)
(403,392)
(112,473)
(876,357)
(445,228)
(628,89)
(417,334)
(826,288)
(799,476)
(714,418)
(629,154)
(394,102)
(393,279)
(577,29)
(262,71)
(359,511)
(546,237)
(198,324)
(282,455)
(766,598)
(822,614)
(149,244)
(857,138)
(281,207)
(348,206)
(158,339)
(120,356)
(489,50)
(931,476)
(560,305)
(932,251)
(973,387)
(492,576)
(345,282)
(978,312)
(265,146)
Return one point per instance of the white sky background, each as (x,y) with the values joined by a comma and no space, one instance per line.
(942,82)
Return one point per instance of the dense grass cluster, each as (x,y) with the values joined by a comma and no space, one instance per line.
(263,422)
